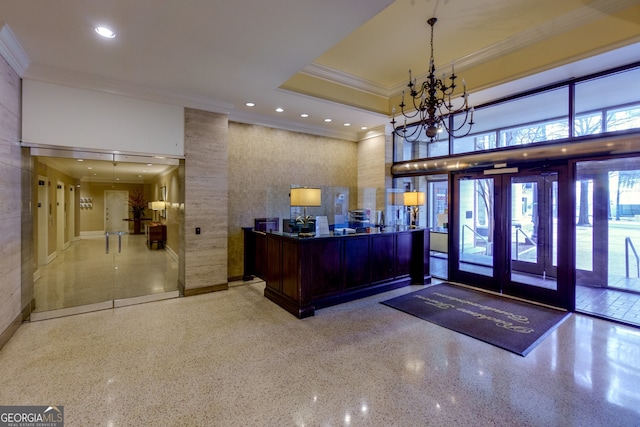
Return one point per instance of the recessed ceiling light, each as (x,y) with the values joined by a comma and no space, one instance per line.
(149,164)
(80,160)
(250,104)
(327,120)
(89,168)
(363,128)
(347,124)
(105,32)
(280,110)
(304,115)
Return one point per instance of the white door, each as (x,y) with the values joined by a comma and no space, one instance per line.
(116,209)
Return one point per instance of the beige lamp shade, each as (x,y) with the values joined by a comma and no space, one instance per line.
(158,205)
(414,198)
(306,197)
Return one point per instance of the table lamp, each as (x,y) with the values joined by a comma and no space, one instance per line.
(305,197)
(413,200)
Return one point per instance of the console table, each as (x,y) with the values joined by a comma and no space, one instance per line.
(155,233)
(305,274)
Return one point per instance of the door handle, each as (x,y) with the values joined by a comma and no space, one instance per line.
(106,235)
(119,241)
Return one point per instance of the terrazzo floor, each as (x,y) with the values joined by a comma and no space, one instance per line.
(234,358)
(84,274)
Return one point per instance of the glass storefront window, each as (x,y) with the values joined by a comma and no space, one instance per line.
(619,106)
(623,119)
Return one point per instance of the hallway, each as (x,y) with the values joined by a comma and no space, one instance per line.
(234,358)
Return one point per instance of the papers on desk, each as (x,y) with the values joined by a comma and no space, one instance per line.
(344,231)
(322,226)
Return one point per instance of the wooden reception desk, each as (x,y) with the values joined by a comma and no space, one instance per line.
(305,274)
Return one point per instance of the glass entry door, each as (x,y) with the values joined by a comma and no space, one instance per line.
(474,235)
(509,234)
(534,220)
(94,255)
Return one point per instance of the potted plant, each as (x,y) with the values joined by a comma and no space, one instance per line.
(137,206)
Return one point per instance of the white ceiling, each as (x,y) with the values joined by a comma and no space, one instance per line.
(216,54)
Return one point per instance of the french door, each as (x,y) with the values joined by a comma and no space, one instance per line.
(510,233)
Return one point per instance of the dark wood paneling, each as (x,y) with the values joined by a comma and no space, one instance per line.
(274,263)
(260,255)
(382,259)
(324,262)
(404,252)
(305,274)
(356,261)
(290,269)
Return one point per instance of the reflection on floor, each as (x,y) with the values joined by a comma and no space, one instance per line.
(609,303)
(234,358)
(85,274)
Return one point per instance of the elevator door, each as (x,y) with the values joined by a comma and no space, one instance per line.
(509,233)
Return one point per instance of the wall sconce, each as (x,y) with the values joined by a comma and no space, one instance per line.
(413,200)
(305,197)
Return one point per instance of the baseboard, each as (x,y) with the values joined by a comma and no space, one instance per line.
(205,290)
(51,256)
(91,233)
(11,329)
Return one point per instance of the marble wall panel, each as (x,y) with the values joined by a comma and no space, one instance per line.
(10,303)
(10,85)
(374,165)
(16,270)
(206,200)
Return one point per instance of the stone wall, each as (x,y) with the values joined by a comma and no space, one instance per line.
(16,229)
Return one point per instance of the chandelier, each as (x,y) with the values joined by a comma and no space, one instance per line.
(432,105)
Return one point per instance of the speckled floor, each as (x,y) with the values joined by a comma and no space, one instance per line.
(233,358)
(84,274)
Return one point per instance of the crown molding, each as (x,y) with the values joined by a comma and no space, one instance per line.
(577,18)
(339,77)
(561,24)
(12,52)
